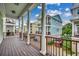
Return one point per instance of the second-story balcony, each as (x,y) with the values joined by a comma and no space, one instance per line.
(10,21)
(75,18)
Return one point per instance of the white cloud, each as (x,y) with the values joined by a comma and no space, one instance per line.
(58,4)
(66,22)
(25,24)
(67,14)
(39,7)
(53,12)
(67,9)
(32,21)
(36,15)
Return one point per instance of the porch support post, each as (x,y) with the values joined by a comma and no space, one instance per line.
(4,27)
(22,28)
(28,28)
(73,27)
(14,28)
(19,26)
(43,23)
(19,30)
(4,21)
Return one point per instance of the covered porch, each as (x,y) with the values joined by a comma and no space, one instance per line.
(13,45)
(23,43)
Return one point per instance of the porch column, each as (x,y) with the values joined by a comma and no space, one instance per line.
(4,27)
(22,28)
(73,27)
(4,20)
(14,29)
(43,23)
(19,26)
(28,28)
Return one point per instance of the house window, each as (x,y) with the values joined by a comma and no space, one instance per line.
(78,11)
(57,29)
(78,29)
(31,31)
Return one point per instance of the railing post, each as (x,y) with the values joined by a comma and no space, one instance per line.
(71,47)
(56,48)
(62,48)
(59,47)
(40,42)
(66,47)
(43,39)
(73,25)
(53,47)
(76,48)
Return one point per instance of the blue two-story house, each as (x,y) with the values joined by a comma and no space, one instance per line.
(54,25)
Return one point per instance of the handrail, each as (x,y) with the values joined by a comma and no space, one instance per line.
(38,41)
(51,36)
(53,50)
(36,34)
(72,45)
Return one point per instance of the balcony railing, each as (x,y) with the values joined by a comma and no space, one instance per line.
(61,47)
(56,46)
(10,22)
(36,40)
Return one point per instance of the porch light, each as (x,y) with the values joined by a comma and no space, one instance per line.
(13,11)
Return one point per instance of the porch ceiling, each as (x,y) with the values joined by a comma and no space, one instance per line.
(13,7)
(15,10)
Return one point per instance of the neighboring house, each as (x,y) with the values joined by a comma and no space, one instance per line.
(53,25)
(75,25)
(39,26)
(75,20)
(9,26)
(33,27)
(25,28)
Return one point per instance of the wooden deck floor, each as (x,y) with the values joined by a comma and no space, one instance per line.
(13,46)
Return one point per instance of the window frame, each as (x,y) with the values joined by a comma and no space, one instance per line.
(78,11)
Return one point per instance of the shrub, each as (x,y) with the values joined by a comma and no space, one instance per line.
(50,42)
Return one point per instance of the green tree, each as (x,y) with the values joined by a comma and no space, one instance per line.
(67,29)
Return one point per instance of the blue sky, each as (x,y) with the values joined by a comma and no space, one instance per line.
(63,9)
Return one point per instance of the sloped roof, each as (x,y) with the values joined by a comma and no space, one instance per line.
(57,18)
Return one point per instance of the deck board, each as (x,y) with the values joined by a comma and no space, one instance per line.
(13,46)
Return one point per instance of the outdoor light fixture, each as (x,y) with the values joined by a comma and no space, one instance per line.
(16,4)
(13,11)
